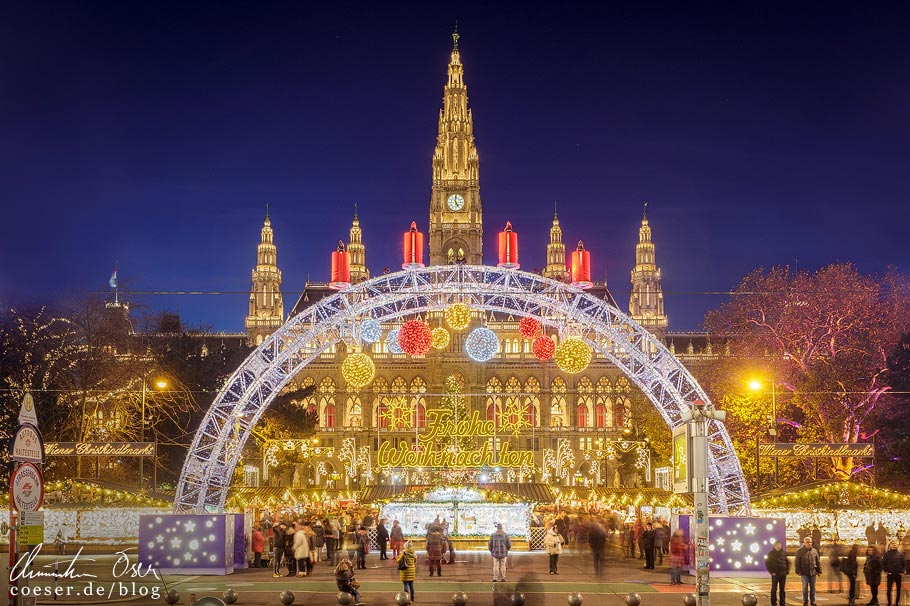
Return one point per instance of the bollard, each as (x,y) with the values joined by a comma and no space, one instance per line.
(633,599)
(749,599)
(459,598)
(575,599)
(230,595)
(172,597)
(402,599)
(518,599)
(287,597)
(344,598)
(690,599)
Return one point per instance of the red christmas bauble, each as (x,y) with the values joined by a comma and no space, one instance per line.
(543,347)
(415,337)
(529,328)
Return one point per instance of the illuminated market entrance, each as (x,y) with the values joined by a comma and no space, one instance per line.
(353,316)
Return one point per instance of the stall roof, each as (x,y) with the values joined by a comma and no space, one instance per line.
(535,492)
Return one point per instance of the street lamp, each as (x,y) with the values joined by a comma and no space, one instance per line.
(160,384)
(757,385)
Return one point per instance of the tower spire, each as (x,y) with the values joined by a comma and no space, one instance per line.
(266,309)
(359,271)
(556,253)
(455,37)
(646,302)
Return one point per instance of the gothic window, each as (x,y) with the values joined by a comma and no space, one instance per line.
(418,391)
(326,396)
(532,401)
(355,411)
(622,403)
(603,403)
(513,397)
(459,380)
(494,391)
(582,416)
(558,410)
(585,400)
(330,416)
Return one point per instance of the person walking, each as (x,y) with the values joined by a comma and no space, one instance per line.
(436,548)
(289,549)
(257,541)
(678,549)
(808,567)
(778,567)
(382,539)
(872,570)
(280,531)
(894,565)
(345,580)
(499,546)
(407,569)
(648,539)
(396,538)
(301,551)
(331,541)
(363,547)
(552,543)
(850,567)
(597,539)
(318,542)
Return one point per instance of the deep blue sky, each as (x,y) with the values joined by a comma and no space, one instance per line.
(153,134)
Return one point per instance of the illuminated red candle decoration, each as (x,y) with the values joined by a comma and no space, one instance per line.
(529,328)
(413,248)
(508,248)
(543,348)
(341,268)
(415,337)
(581,267)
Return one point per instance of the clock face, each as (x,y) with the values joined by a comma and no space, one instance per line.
(455,202)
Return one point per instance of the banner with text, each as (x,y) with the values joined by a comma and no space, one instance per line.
(99,449)
(817,450)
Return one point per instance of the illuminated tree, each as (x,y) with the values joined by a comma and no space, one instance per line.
(825,338)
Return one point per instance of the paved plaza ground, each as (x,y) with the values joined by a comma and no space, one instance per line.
(527,574)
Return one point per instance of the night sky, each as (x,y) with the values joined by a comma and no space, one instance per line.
(153,135)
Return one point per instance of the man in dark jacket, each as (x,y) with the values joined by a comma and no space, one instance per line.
(648,539)
(436,548)
(808,567)
(778,567)
(894,565)
(872,570)
(382,537)
(279,531)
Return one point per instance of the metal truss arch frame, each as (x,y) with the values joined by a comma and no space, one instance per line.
(227,425)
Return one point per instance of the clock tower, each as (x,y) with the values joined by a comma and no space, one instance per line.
(456,216)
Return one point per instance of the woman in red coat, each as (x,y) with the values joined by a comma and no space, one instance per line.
(678,550)
(258,543)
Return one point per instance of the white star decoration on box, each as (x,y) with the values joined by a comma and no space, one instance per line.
(740,544)
(177,541)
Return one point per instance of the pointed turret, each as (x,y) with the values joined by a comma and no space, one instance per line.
(266,310)
(556,253)
(646,303)
(456,218)
(359,271)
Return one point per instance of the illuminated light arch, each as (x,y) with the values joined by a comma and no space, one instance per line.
(227,425)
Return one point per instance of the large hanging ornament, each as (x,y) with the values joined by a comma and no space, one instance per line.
(543,348)
(413,248)
(441,338)
(341,268)
(529,328)
(481,344)
(370,331)
(458,316)
(581,267)
(573,355)
(391,342)
(415,337)
(358,370)
(508,248)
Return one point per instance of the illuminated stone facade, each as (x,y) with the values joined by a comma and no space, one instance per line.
(572,425)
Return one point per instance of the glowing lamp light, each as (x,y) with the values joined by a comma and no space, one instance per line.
(458,316)
(391,341)
(529,328)
(341,268)
(370,331)
(441,338)
(508,248)
(543,348)
(415,338)
(358,370)
(481,344)
(581,267)
(573,355)
(413,248)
